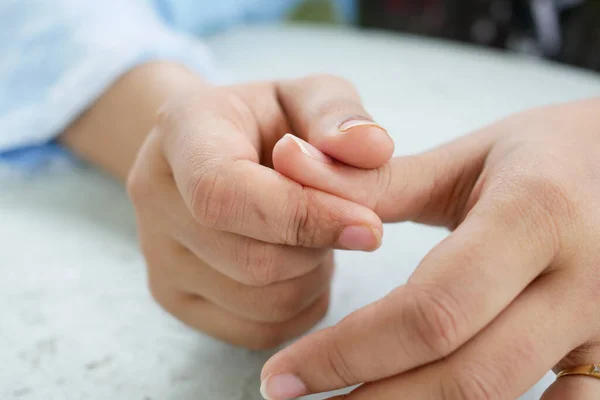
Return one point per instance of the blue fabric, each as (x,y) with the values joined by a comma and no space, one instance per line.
(58,56)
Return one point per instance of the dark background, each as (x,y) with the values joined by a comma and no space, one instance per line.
(504,24)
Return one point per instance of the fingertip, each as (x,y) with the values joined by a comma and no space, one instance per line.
(358,238)
(286,359)
(274,365)
(289,144)
(281,152)
(282,387)
(373,224)
(310,359)
(362,145)
(287,151)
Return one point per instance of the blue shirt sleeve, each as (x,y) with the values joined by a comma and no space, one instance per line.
(58,56)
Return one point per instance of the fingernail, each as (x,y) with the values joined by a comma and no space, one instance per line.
(359,238)
(282,387)
(353,123)
(309,149)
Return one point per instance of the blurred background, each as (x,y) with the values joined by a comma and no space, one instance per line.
(567,31)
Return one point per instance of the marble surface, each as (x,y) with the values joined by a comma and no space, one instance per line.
(76,319)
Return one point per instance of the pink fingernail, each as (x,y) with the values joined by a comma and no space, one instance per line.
(359,238)
(353,123)
(309,149)
(282,387)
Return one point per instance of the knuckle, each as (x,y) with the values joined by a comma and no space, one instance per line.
(258,262)
(314,220)
(301,229)
(212,200)
(383,183)
(336,358)
(539,203)
(548,194)
(472,382)
(435,318)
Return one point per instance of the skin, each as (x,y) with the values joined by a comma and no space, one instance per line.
(237,222)
(234,248)
(511,293)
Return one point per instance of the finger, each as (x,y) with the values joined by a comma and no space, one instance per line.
(252,262)
(278,302)
(243,259)
(327,112)
(458,288)
(509,356)
(215,168)
(431,187)
(221,324)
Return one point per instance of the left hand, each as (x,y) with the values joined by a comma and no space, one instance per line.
(514,290)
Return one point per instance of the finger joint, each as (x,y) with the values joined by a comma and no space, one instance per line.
(471,382)
(257,261)
(213,200)
(336,359)
(435,317)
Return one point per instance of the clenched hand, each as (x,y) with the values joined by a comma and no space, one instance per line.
(233,247)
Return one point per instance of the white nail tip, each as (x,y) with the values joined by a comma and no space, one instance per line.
(299,143)
(263,390)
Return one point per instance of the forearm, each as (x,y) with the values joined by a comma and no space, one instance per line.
(110,133)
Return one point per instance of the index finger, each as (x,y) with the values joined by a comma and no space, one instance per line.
(459,287)
(216,169)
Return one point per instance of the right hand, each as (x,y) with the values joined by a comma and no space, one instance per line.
(234,248)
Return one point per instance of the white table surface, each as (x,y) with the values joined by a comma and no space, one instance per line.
(76,320)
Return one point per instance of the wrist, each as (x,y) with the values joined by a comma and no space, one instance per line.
(110,133)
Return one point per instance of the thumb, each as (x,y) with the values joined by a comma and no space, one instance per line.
(431,187)
(327,112)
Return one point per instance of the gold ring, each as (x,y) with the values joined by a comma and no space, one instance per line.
(592,370)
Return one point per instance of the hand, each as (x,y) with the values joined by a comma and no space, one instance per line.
(234,248)
(511,293)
